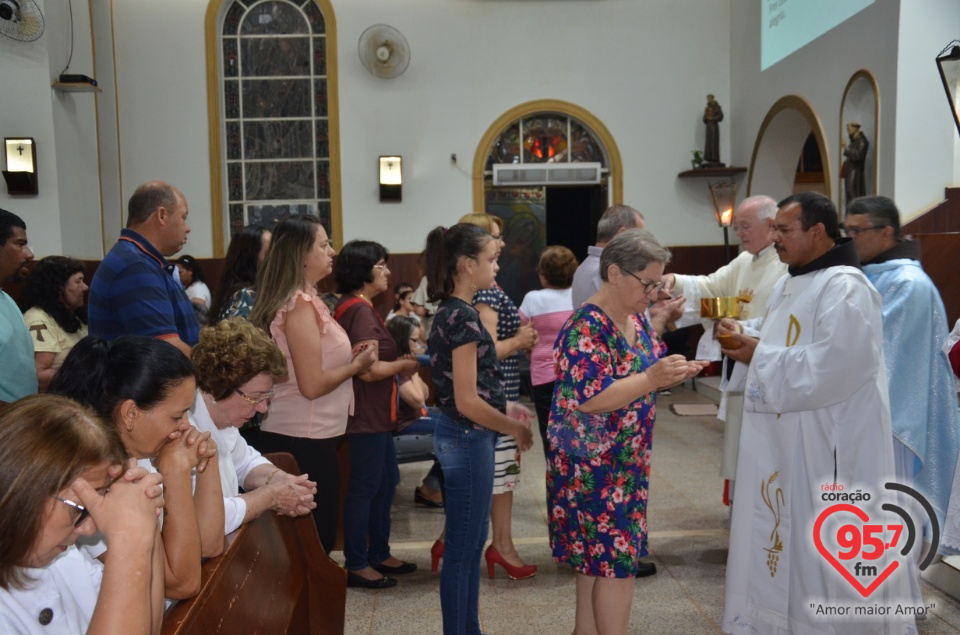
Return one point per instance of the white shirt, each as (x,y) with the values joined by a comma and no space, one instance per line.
(235,458)
(200,291)
(66,590)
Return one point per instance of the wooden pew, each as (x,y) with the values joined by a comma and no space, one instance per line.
(274,577)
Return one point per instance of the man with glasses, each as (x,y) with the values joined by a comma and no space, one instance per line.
(923,405)
(18,373)
(816,412)
(750,277)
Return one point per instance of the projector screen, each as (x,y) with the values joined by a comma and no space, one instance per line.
(788,25)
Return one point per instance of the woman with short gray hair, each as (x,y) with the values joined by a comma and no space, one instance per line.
(610,363)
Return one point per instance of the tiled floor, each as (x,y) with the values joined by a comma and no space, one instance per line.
(688,540)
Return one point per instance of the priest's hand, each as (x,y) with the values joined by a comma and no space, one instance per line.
(669,281)
(664,312)
(738,347)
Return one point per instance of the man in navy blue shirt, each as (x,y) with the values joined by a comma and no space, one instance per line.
(135,290)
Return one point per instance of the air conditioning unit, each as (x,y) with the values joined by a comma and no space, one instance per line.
(547,173)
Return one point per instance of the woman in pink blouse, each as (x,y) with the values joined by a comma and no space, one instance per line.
(548,309)
(308,416)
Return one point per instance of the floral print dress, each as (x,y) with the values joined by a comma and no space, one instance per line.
(598,464)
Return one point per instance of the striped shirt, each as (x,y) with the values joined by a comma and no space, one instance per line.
(134,292)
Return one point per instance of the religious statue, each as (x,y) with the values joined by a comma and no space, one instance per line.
(712,116)
(855,155)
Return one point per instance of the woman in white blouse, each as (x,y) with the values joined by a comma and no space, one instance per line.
(236,364)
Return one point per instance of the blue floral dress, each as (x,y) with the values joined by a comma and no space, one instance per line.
(598,465)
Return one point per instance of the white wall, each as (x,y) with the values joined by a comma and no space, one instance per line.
(26,111)
(926,134)
(819,73)
(75,129)
(643,68)
(162,104)
(471,61)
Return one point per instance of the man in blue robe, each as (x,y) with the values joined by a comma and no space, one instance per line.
(923,404)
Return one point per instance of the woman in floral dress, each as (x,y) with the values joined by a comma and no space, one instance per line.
(609,365)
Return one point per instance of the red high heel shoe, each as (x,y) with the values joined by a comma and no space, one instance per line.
(493,557)
(436,552)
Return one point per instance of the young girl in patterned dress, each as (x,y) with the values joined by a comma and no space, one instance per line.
(469,395)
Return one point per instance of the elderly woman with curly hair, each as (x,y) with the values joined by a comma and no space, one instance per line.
(236,364)
(54,300)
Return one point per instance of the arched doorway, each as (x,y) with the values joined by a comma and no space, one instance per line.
(791,138)
(536,214)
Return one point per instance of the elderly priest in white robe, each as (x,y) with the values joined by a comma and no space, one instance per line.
(816,411)
(750,276)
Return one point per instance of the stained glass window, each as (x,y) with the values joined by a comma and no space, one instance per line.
(546,138)
(275,121)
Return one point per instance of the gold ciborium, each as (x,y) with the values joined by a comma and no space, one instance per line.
(718,308)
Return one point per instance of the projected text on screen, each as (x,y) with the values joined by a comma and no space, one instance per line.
(787,25)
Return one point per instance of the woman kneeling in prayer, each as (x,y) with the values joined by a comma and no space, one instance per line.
(236,364)
(61,479)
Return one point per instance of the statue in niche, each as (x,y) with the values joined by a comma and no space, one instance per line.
(852,170)
(712,116)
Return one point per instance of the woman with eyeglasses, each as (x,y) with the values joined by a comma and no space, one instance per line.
(362,274)
(61,479)
(143,387)
(609,365)
(308,414)
(236,365)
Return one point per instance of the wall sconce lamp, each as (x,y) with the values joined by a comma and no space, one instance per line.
(21,172)
(949,64)
(391,179)
(724,196)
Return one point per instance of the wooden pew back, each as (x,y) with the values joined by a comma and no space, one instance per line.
(273,577)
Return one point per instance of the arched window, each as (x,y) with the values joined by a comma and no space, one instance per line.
(276,114)
(546,138)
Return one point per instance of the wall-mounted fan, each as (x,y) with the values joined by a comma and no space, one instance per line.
(21,20)
(383,51)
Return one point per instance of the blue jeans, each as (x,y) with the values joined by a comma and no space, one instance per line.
(466,457)
(424,426)
(373,480)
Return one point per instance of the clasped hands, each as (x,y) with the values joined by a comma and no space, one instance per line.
(131,505)
(293,495)
(187,446)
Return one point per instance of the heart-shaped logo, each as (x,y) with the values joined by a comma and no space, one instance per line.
(875,542)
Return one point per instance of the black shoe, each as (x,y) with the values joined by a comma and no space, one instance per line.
(406,567)
(422,501)
(646,569)
(355,580)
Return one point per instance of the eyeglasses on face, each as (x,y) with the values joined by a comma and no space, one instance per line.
(256,401)
(81,511)
(649,286)
(853,232)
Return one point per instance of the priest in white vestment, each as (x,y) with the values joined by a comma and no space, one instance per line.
(816,414)
(750,276)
